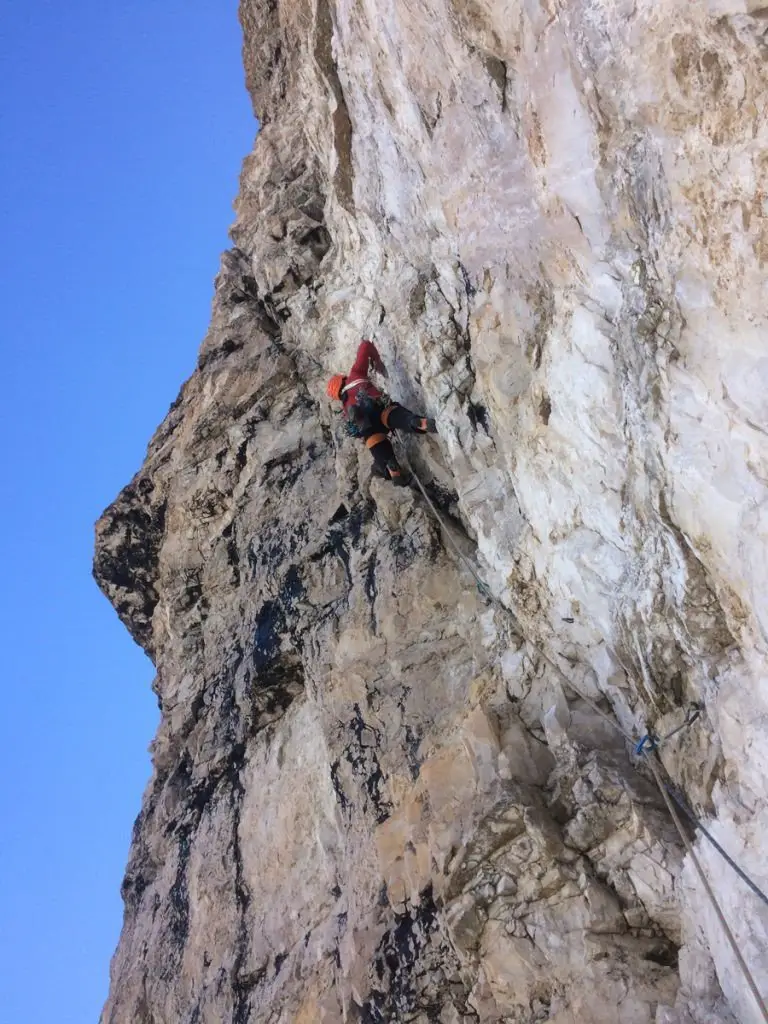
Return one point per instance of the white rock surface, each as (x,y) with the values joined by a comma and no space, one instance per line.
(371,800)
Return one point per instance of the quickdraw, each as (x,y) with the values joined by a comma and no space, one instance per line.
(651,742)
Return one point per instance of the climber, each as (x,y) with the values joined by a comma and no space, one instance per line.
(372,416)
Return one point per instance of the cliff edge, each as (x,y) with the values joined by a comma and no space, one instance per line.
(375,795)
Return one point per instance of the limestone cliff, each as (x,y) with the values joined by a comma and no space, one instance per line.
(374,798)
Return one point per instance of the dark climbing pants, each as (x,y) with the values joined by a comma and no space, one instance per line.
(397,417)
(394,417)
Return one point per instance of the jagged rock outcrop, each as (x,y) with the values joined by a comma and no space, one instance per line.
(374,798)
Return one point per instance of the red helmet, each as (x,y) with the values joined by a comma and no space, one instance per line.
(335,384)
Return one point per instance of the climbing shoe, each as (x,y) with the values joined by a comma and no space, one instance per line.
(397,476)
(423,425)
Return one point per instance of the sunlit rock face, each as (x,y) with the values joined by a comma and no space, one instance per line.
(374,796)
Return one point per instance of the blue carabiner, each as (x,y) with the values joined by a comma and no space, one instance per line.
(646,745)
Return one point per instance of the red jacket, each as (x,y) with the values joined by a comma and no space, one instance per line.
(357,379)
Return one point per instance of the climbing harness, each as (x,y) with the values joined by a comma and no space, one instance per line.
(646,747)
(386,414)
(374,439)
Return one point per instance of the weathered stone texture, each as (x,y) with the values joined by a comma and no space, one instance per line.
(372,800)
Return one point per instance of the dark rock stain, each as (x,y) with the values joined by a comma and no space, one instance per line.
(395,960)
(366,768)
(478,416)
(545,409)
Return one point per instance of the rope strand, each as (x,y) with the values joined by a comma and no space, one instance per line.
(708,889)
(695,821)
(639,748)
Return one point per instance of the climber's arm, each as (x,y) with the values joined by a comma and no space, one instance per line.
(367,358)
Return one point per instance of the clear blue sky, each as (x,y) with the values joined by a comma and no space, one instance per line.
(122,129)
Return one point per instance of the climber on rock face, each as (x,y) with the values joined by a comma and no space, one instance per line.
(372,416)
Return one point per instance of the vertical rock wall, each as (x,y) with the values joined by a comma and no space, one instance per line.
(372,799)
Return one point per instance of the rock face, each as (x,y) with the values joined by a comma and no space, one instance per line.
(374,796)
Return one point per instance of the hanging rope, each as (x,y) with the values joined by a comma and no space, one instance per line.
(646,747)
(651,742)
(708,889)
(695,821)
(468,564)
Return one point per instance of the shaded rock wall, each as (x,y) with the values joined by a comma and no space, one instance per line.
(371,799)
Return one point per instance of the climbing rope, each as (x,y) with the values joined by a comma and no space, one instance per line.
(723,853)
(462,557)
(646,747)
(708,889)
(651,742)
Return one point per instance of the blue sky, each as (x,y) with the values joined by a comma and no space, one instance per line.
(122,129)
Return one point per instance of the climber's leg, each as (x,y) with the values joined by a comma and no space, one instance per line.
(423,425)
(397,417)
(384,458)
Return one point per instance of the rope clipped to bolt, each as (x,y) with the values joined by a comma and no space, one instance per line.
(652,742)
(646,747)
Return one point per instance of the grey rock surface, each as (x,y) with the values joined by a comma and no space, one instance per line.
(374,797)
